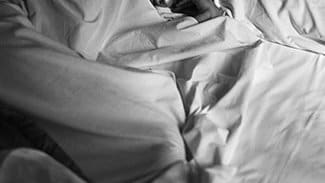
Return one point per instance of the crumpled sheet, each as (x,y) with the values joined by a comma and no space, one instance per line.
(119,88)
(298,24)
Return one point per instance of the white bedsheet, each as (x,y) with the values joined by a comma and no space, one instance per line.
(121,87)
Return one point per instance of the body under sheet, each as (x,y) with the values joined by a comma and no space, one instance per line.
(124,91)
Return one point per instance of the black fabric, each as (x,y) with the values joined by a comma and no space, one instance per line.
(17,131)
(10,137)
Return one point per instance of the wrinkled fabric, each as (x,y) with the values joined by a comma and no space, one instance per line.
(117,124)
(120,88)
(294,23)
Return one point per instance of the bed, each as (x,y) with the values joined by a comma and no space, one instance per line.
(132,97)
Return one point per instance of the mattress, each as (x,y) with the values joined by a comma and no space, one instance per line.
(133,97)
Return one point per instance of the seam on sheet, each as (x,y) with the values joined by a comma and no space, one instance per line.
(288,46)
(254,4)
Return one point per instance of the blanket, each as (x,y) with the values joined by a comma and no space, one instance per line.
(132,97)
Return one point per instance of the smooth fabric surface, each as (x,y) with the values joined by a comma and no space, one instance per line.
(121,88)
(31,166)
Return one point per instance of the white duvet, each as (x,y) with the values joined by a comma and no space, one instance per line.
(123,91)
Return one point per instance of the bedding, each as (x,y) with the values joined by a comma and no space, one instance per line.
(20,131)
(132,97)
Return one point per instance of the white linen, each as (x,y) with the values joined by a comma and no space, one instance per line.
(294,23)
(248,99)
(118,125)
